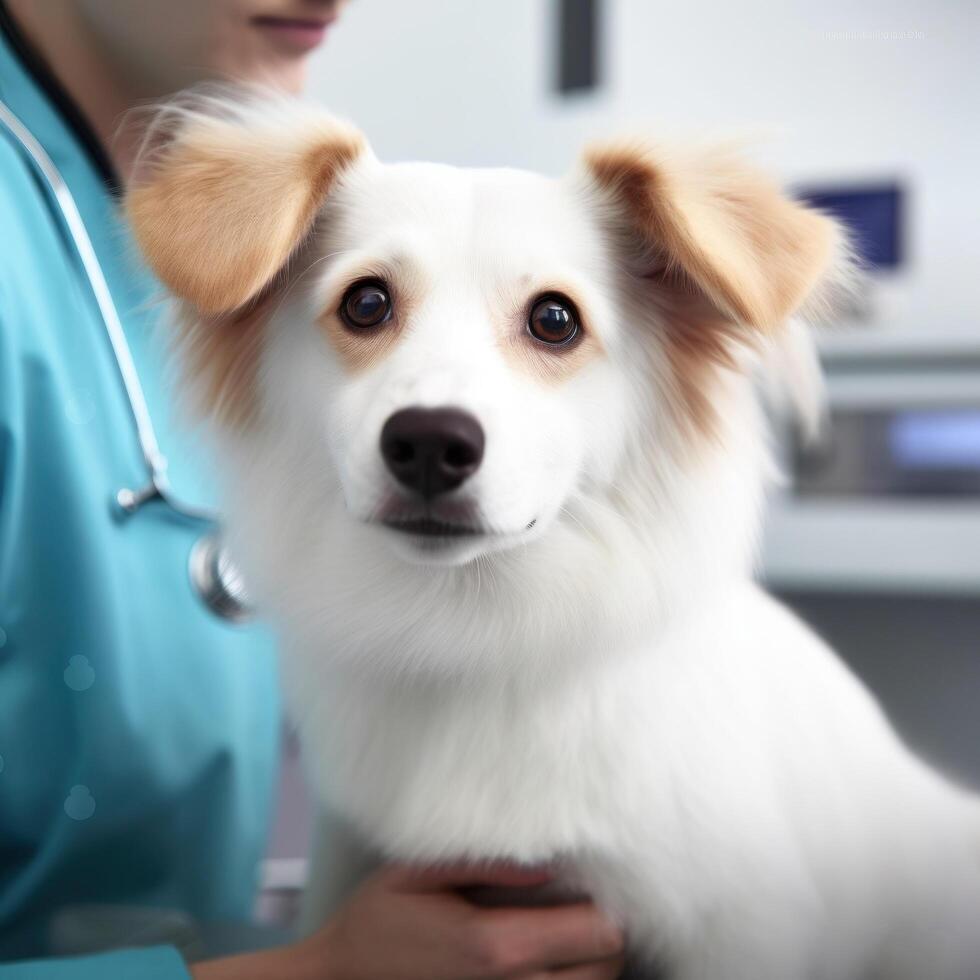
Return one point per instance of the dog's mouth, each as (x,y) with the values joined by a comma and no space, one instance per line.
(449,527)
(430,527)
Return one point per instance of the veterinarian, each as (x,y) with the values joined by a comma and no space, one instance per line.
(139,725)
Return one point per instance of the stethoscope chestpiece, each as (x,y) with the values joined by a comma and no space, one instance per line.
(213,575)
(217,580)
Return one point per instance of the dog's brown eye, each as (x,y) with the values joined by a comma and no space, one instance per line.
(365,304)
(553,321)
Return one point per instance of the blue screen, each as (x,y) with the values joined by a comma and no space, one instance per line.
(948,440)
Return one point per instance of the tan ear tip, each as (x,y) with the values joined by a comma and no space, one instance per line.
(624,165)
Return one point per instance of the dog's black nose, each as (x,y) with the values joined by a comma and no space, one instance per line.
(432,450)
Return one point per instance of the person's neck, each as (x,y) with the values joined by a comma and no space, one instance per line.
(85,70)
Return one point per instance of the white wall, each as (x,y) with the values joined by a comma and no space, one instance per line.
(828,85)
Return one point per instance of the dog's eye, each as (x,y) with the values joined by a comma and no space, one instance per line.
(365,304)
(553,321)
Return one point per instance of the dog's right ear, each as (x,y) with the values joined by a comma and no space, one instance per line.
(225,191)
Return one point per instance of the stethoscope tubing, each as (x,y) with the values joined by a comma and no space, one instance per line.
(157,486)
(212,573)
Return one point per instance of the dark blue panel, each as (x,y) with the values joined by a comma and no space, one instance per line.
(874,215)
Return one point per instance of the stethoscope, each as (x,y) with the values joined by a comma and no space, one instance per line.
(213,574)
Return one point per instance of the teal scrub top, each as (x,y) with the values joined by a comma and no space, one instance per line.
(138,732)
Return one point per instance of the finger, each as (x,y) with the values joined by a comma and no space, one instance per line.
(441,877)
(546,938)
(603,970)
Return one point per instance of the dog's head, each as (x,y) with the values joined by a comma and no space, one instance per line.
(518,379)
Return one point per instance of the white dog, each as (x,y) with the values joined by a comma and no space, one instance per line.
(495,465)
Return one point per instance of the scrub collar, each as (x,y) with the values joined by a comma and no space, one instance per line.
(33,91)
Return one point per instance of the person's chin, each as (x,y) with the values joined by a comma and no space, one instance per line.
(291,78)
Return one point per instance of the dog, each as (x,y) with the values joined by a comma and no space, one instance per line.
(495,462)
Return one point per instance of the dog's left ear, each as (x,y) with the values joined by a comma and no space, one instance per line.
(724,228)
(228,189)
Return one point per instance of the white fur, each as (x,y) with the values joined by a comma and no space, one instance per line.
(607,690)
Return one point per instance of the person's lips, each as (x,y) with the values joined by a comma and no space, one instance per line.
(298,33)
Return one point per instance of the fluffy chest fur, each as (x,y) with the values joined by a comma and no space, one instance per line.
(750,783)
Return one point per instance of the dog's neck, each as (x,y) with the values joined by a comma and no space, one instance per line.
(424,765)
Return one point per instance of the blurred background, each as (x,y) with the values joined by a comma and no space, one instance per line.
(869,110)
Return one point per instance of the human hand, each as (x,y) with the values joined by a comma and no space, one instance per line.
(412,924)
(408,923)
